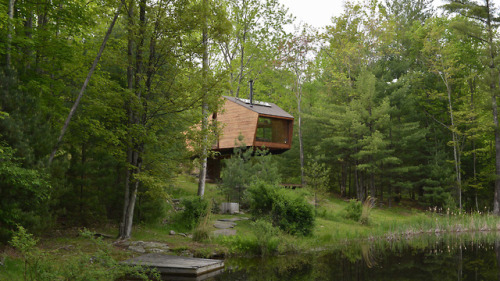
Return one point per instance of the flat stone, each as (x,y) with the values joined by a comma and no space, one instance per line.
(234,219)
(224,224)
(146,247)
(224,232)
(137,249)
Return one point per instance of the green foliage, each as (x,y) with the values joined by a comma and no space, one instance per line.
(35,265)
(24,195)
(437,185)
(366,210)
(353,210)
(261,197)
(202,230)
(264,239)
(245,167)
(195,208)
(287,209)
(317,177)
(292,213)
(241,244)
(151,210)
(267,236)
(98,266)
(236,172)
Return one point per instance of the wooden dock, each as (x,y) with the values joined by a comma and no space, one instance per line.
(179,266)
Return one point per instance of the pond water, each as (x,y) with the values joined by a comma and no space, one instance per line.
(473,256)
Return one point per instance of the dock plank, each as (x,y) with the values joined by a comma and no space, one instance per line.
(176,265)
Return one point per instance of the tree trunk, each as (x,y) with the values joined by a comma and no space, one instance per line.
(301,144)
(343,179)
(82,177)
(204,151)
(373,193)
(390,196)
(9,33)
(204,106)
(130,86)
(82,90)
(129,218)
(136,146)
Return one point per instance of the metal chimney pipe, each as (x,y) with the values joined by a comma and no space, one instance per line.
(251,92)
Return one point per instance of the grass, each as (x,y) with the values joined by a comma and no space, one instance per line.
(332,229)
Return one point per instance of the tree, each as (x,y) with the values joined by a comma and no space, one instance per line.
(297,59)
(482,26)
(210,92)
(253,42)
(317,177)
(245,168)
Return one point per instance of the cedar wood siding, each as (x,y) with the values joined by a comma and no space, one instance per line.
(236,120)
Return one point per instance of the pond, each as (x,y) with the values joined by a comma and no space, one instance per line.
(471,256)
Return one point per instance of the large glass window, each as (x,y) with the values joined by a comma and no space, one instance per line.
(272,130)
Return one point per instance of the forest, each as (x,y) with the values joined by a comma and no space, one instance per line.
(394,100)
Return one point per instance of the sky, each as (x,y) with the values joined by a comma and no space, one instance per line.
(319,13)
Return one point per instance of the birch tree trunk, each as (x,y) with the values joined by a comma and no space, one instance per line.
(136,146)
(204,107)
(9,33)
(301,144)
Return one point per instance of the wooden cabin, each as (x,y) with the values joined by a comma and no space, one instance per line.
(262,124)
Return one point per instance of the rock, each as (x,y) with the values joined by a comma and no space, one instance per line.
(147,247)
(172,232)
(234,219)
(183,234)
(137,249)
(225,232)
(224,224)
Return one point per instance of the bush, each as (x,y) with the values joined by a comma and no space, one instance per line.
(264,239)
(267,236)
(202,230)
(261,198)
(353,210)
(194,209)
(366,211)
(287,208)
(291,213)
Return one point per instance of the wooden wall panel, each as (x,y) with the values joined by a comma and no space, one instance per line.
(237,120)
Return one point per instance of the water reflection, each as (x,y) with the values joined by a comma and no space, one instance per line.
(473,256)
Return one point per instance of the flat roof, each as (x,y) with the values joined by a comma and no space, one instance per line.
(265,108)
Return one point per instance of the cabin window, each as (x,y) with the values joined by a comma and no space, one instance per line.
(272,130)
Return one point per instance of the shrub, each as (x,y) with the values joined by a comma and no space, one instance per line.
(288,209)
(291,213)
(261,198)
(194,209)
(353,210)
(267,236)
(366,210)
(202,230)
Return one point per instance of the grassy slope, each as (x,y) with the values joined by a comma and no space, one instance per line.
(331,228)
